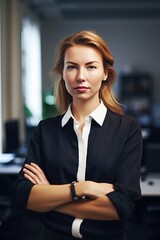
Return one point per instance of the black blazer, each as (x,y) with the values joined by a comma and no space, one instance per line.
(114,156)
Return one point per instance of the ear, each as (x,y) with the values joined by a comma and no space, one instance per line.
(105,76)
(62,77)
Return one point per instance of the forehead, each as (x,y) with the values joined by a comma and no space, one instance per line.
(80,52)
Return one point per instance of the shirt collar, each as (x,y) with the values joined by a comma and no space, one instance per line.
(67,116)
(98,115)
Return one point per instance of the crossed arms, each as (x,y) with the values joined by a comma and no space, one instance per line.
(46,197)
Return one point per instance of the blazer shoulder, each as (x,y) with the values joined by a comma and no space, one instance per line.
(124,120)
(50,122)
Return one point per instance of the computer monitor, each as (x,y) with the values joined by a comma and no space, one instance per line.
(152,158)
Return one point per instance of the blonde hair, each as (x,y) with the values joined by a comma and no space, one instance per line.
(92,39)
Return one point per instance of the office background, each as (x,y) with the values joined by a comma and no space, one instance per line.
(30,30)
(131,30)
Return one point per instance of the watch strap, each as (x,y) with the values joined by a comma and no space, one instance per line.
(75,197)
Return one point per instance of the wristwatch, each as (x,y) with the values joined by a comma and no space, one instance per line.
(75,197)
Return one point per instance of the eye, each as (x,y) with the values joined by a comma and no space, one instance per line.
(91,67)
(71,67)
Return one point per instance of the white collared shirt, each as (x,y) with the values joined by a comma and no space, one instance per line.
(98,115)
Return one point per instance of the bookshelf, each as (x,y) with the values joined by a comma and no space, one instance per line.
(136,94)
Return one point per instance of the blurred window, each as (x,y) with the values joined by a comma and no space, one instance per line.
(31,70)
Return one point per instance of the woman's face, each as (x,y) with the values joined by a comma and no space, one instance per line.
(83,72)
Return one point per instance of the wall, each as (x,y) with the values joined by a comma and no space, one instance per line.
(12,99)
(134,44)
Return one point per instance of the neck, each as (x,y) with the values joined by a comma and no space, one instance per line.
(80,109)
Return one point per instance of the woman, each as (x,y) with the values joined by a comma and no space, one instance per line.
(82,168)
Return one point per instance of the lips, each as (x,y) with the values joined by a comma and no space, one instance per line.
(81,88)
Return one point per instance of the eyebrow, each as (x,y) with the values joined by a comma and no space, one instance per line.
(88,63)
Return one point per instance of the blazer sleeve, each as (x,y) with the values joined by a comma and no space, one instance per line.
(127,184)
(22,186)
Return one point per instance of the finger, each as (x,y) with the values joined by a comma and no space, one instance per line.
(42,176)
(29,178)
(37,171)
(36,167)
(33,170)
(32,175)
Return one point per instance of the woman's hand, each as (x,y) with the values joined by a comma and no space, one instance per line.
(35,174)
(92,189)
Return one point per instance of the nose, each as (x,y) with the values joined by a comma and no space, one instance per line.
(80,80)
(80,76)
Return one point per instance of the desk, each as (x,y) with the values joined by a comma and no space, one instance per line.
(150,186)
(10,169)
